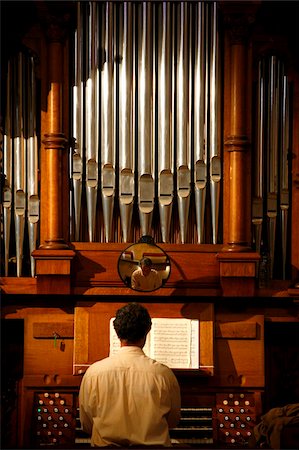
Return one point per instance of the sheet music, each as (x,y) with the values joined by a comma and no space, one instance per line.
(174,342)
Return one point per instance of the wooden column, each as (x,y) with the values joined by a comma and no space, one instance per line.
(237,130)
(238,263)
(54,140)
(54,256)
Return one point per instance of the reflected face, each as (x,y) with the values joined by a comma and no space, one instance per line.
(146,270)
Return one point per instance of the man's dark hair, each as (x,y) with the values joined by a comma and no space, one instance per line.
(146,262)
(132,322)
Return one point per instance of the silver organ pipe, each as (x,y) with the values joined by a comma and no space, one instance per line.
(91,121)
(32,163)
(257,205)
(76,162)
(214,128)
(200,156)
(107,119)
(183,158)
(272,165)
(271,173)
(126,118)
(7,168)
(19,163)
(145,144)
(165,175)
(284,186)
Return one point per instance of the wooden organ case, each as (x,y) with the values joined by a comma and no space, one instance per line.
(220,201)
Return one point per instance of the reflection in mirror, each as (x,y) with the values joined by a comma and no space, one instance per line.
(144,266)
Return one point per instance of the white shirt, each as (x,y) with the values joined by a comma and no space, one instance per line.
(128,399)
(145,283)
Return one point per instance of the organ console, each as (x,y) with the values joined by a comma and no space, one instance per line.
(124,121)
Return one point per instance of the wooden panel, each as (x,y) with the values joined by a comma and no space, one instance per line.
(45,267)
(49,357)
(236,330)
(192,267)
(240,362)
(18,285)
(46,330)
(237,269)
(92,330)
(53,284)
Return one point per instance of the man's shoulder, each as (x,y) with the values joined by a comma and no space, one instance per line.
(98,366)
(161,368)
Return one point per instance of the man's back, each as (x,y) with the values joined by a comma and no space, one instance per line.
(131,399)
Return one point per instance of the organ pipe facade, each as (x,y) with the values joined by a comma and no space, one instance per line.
(146,127)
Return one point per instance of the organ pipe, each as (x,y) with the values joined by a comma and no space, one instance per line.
(284,186)
(146,161)
(19,162)
(7,167)
(107,119)
(32,163)
(257,206)
(183,159)
(91,120)
(215,121)
(165,119)
(78,121)
(200,156)
(126,118)
(272,153)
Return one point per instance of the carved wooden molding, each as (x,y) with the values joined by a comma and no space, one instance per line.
(55,141)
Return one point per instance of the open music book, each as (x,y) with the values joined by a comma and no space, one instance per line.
(173,342)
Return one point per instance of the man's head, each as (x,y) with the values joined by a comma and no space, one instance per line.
(146,266)
(132,323)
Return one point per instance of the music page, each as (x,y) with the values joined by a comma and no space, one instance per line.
(174,342)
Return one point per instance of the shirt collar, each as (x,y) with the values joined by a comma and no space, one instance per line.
(131,349)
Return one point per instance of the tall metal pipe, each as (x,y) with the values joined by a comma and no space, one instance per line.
(108,119)
(215,121)
(32,163)
(145,117)
(19,163)
(78,121)
(272,153)
(284,172)
(126,117)
(7,167)
(200,155)
(91,121)
(165,118)
(183,162)
(257,204)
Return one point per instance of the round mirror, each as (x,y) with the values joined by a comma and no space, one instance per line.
(144,266)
